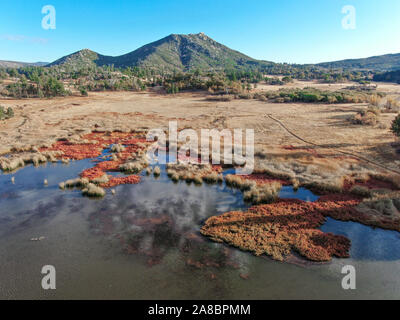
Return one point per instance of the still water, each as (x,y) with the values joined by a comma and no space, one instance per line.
(144,243)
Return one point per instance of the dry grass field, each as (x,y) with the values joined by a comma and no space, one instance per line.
(39,122)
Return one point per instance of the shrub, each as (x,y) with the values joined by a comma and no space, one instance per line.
(367,117)
(83,92)
(246,96)
(92,190)
(375,100)
(156,171)
(220,98)
(395,128)
(6,114)
(392,104)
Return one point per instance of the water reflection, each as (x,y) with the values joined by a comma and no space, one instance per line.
(159,221)
(158,216)
(367,243)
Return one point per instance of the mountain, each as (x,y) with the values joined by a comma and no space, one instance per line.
(83,58)
(16,64)
(180,52)
(174,52)
(387,62)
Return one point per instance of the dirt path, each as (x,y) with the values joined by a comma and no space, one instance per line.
(337,150)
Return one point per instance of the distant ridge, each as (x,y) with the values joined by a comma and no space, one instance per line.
(181,52)
(387,62)
(16,64)
(174,52)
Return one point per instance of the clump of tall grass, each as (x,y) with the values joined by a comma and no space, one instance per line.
(100,180)
(392,105)
(239,183)
(276,173)
(375,100)
(91,190)
(11,164)
(157,171)
(135,165)
(72,183)
(170,172)
(253,192)
(295,184)
(265,193)
(37,159)
(213,177)
(117,148)
(193,173)
(20,160)
(361,191)
(220,98)
(333,185)
(175,177)
(131,167)
(197,180)
(369,117)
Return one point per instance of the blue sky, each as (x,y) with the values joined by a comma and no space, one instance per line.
(294,31)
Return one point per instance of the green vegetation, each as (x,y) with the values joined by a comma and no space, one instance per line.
(386,62)
(396,126)
(314,95)
(33,82)
(393,76)
(176,63)
(61,80)
(6,114)
(368,117)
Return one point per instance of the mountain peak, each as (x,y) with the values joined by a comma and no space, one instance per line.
(176,52)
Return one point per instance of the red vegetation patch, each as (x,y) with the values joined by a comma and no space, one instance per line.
(92,173)
(133,179)
(75,151)
(98,141)
(109,165)
(343,207)
(373,183)
(278,229)
(292,225)
(262,178)
(217,168)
